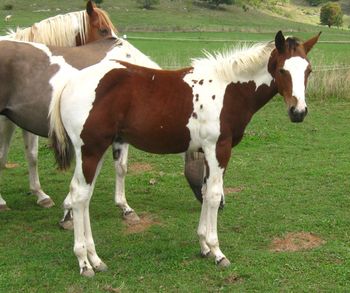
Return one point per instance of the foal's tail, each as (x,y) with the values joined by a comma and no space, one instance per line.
(60,141)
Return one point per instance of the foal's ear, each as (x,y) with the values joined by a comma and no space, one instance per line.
(280,42)
(310,43)
(90,6)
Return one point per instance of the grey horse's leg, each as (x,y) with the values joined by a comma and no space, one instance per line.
(31,143)
(7,129)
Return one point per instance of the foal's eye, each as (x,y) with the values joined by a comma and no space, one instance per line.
(104,32)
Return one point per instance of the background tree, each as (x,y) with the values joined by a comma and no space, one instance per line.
(331,14)
(216,3)
(147,4)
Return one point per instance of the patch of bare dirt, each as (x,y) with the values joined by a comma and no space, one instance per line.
(11,165)
(112,290)
(233,279)
(146,221)
(228,190)
(296,241)
(139,167)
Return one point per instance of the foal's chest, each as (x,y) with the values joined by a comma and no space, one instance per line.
(204,122)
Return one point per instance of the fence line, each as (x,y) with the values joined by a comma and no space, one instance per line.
(216,40)
(325,68)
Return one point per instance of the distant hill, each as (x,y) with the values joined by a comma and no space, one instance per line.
(177,15)
(302,11)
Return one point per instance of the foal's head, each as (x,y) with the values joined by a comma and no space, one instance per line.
(290,68)
(100,26)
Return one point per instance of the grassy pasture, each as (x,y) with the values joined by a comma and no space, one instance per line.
(289,178)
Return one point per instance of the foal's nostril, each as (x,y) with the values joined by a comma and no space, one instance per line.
(292,109)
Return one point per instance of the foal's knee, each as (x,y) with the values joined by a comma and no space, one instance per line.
(122,168)
(214,197)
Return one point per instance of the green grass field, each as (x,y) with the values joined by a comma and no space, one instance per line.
(287,178)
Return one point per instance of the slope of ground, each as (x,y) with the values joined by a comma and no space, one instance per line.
(171,16)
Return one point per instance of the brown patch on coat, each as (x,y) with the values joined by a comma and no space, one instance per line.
(137,167)
(131,113)
(146,221)
(296,241)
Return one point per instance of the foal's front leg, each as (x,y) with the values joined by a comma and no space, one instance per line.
(207,229)
(31,143)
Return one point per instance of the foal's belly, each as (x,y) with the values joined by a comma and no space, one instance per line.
(159,141)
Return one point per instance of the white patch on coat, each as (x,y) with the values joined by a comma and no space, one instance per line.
(77,100)
(124,51)
(209,80)
(295,66)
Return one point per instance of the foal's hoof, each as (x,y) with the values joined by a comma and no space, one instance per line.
(4,208)
(87,272)
(67,225)
(102,267)
(223,263)
(46,203)
(131,218)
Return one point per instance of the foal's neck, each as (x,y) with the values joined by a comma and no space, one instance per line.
(257,90)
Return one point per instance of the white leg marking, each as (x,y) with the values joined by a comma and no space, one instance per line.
(84,247)
(207,229)
(96,262)
(121,170)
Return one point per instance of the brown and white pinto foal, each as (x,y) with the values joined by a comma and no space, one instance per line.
(204,107)
(65,30)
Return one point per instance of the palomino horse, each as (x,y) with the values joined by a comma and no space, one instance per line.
(67,30)
(205,108)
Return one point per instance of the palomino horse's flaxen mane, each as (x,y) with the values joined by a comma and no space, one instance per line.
(60,30)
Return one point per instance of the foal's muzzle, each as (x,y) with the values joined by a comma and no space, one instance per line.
(297,115)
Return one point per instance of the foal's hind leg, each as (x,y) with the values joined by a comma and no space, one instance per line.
(6,131)
(81,192)
(31,142)
(66,222)
(120,155)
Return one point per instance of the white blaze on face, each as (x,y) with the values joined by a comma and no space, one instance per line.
(296,66)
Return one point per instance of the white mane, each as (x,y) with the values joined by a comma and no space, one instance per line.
(60,30)
(241,61)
